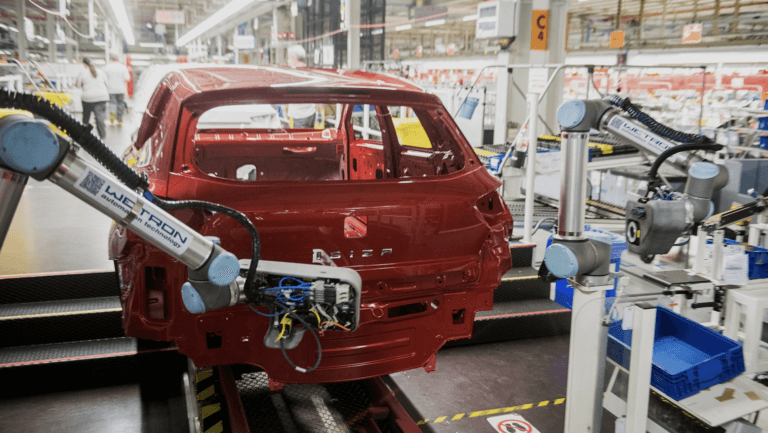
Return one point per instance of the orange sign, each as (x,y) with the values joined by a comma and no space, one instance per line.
(540,30)
(419,51)
(396,53)
(692,33)
(617,39)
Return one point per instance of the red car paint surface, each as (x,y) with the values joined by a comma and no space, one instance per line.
(428,237)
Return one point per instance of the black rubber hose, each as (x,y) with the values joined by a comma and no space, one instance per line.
(237,216)
(80,133)
(83,135)
(665,131)
(319,347)
(677,149)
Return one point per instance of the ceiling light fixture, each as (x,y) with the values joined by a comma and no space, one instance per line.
(150,44)
(377,31)
(220,15)
(403,27)
(469,17)
(118,7)
(434,23)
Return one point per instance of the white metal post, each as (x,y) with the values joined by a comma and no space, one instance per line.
(586,360)
(701,250)
(717,255)
(530,171)
(643,332)
(366,120)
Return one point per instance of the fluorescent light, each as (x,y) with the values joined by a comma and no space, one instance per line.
(403,27)
(377,31)
(220,15)
(122,18)
(150,44)
(434,23)
(100,43)
(469,17)
(140,56)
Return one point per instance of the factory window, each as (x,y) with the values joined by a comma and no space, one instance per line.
(426,148)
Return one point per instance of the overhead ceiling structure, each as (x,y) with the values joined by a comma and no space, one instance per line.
(662,23)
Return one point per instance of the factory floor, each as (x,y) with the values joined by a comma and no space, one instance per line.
(52,232)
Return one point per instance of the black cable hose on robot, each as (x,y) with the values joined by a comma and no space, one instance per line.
(663,130)
(677,149)
(83,135)
(237,216)
(80,133)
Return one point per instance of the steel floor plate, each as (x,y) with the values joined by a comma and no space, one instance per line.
(311,408)
(59,308)
(61,352)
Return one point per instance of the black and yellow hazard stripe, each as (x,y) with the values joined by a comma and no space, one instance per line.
(210,402)
(489,412)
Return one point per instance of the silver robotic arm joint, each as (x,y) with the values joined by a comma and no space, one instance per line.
(654,225)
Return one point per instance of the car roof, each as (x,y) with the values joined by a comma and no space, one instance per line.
(232,77)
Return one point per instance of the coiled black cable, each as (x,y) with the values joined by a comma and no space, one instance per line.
(663,130)
(82,134)
(677,149)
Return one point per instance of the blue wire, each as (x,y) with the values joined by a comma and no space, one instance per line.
(265,315)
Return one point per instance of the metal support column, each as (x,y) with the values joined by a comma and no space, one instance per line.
(586,360)
(353,34)
(641,360)
(50,30)
(502,101)
(530,171)
(21,13)
(106,41)
(11,189)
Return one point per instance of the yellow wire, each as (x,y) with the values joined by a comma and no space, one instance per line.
(284,321)
(318,316)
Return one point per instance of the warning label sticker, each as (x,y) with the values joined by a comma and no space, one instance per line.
(511,424)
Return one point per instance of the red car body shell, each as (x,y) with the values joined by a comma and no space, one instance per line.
(448,234)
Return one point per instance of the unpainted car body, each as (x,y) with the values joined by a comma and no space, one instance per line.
(424,227)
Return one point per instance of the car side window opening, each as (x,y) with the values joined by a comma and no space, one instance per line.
(426,147)
(366,149)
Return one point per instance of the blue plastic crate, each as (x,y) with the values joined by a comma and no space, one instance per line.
(494,162)
(687,357)
(564,291)
(758,260)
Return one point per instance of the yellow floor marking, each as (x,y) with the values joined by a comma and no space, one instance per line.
(202,395)
(217,428)
(65,313)
(209,410)
(202,375)
(490,411)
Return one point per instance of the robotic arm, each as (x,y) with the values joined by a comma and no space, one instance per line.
(654,223)
(317,296)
